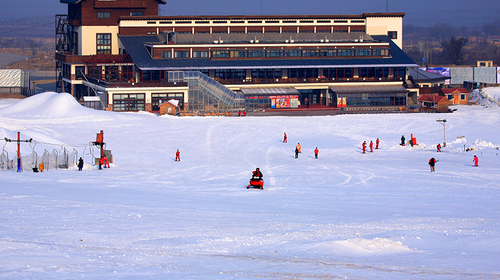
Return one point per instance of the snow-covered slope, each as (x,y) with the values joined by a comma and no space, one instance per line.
(345,215)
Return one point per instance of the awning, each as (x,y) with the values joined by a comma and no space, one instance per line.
(390,89)
(270,91)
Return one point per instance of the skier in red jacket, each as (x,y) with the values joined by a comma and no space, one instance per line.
(371,146)
(377,142)
(364,146)
(476,161)
(177,156)
(284,138)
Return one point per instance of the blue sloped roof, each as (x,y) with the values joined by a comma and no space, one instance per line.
(134,45)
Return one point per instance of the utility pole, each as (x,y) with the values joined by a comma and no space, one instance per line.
(18,148)
(443,121)
(386,6)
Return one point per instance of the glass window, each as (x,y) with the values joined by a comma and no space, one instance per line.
(220,54)
(198,54)
(103,14)
(328,53)
(181,54)
(291,53)
(167,54)
(255,53)
(363,52)
(344,52)
(274,53)
(128,102)
(104,43)
(80,72)
(310,53)
(393,34)
(136,14)
(238,54)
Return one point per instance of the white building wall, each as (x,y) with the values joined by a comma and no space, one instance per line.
(382,25)
(87,39)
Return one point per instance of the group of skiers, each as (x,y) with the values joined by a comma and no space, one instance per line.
(363,146)
(432,163)
(298,148)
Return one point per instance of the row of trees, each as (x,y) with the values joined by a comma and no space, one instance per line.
(443,44)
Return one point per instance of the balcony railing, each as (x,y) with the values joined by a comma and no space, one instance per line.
(305,80)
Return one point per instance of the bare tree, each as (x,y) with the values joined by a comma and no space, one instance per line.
(33,45)
(453,50)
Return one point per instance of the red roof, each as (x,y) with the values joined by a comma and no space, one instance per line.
(431,97)
(454,90)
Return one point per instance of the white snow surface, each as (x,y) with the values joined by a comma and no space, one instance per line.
(346,215)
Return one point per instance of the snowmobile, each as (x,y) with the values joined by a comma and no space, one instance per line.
(256,182)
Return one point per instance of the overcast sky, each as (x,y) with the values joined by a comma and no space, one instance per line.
(419,13)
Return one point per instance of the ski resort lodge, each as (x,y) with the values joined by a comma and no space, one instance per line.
(134,59)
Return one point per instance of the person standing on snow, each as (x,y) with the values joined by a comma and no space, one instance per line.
(364,146)
(299,148)
(284,137)
(476,161)
(106,162)
(402,140)
(101,162)
(177,155)
(371,146)
(296,152)
(80,164)
(316,152)
(432,163)
(377,142)
(438,147)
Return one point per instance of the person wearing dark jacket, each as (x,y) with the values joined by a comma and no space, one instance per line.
(80,164)
(402,140)
(296,152)
(257,175)
(432,163)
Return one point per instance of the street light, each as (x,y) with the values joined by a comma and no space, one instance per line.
(443,121)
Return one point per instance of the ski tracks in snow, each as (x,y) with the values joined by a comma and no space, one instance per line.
(272,180)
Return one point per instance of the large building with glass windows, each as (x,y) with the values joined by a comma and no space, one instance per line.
(136,60)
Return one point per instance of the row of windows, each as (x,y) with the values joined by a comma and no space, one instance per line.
(108,14)
(305,73)
(277,53)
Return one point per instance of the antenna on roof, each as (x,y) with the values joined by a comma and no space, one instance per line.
(386,6)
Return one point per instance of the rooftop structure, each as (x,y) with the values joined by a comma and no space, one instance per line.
(136,60)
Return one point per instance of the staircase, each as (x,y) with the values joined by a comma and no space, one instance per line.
(207,94)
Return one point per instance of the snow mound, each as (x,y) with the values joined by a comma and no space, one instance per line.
(363,246)
(487,97)
(47,104)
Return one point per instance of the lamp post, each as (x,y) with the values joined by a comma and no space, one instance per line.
(443,121)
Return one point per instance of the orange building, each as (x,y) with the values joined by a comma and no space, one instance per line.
(456,96)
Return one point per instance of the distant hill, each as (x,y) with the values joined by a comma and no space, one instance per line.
(35,27)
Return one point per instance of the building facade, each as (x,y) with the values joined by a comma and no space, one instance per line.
(136,60)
